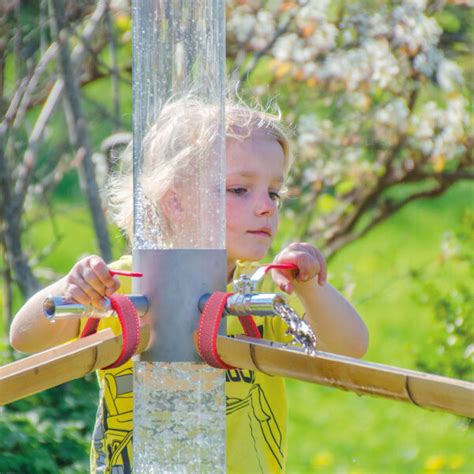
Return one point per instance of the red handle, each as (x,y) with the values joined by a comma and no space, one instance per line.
(283,266)
(126,273)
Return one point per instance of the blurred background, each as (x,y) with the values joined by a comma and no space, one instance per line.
(378,94)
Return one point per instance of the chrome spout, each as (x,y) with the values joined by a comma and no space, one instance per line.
(57,307)
(256,304)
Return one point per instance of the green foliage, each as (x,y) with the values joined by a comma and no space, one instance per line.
(448,21)
(453,332)
(49,432)
(452,307)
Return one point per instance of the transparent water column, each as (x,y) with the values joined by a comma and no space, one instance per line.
(179,402)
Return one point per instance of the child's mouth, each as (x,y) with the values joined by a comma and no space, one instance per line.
(260,233)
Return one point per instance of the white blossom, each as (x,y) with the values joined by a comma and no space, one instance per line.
(352,155)
(255,29)
(373,62)
(449,75)
(394,114)
(310,15)
(419,5)
(314,10)
(264,30)
(309,176)
(241,24)
(323,39)
(313,130)
(358,101)
(348,36)
(310,69)
(285,45)
(451,340)
(377,25)
(439,132)
(427,62)
(413,29)
(383,64)
(390,121)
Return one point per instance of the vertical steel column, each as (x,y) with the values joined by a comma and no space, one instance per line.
(179,402)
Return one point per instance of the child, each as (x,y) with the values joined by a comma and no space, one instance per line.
(258,160)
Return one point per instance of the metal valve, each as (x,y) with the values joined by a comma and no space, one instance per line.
(245,301)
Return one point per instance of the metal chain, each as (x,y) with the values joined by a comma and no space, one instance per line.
(299,329)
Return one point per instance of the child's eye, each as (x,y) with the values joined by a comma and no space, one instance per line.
(275,197)
(237,191)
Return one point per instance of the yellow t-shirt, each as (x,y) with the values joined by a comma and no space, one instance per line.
(256,407)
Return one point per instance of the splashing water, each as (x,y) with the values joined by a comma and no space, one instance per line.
(179,420)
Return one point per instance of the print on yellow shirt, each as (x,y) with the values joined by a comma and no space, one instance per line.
(256,408)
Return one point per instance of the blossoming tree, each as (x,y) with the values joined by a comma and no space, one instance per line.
(380,109)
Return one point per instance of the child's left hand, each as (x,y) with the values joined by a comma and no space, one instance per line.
(310,262)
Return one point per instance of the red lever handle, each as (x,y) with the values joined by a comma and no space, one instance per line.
(283,266)
(126,273)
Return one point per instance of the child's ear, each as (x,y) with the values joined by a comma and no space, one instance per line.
(171,205)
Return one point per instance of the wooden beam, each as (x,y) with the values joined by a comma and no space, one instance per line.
(61,364)
(365,378)
(78,358)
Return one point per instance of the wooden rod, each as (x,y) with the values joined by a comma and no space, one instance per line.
(78,358)
(61,364)
(365,378)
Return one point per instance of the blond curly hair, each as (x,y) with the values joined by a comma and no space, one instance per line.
(185,130)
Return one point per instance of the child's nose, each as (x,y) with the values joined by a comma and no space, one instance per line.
(265,205)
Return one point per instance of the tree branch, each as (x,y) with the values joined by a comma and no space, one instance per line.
(46,58)
(367,199)
(259,55)
(49,107)
(387,208)
(10,222)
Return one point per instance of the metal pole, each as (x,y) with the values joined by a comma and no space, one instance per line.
(179,402)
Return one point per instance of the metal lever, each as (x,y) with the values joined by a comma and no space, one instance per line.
(57,307)
(248,283)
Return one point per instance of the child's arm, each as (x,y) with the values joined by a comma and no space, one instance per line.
(337,325)
(87,283)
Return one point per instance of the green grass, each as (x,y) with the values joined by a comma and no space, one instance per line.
(76,237)
(338,432)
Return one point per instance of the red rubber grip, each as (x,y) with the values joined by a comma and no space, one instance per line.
(129,323)
(130,328)
(249,326)
(209,327)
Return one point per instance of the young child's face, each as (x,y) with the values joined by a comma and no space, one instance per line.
(254,178)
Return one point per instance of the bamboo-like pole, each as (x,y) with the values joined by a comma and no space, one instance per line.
(365,378)
(78,358)
(61,364)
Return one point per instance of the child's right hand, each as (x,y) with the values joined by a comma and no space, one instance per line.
(89,281)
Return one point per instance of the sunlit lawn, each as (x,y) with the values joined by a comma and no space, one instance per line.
(334,431)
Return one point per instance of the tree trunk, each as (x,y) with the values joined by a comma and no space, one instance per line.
(80,139)
(10,219)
